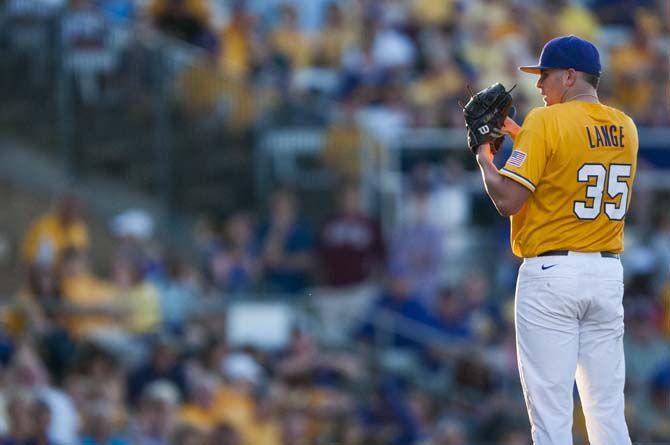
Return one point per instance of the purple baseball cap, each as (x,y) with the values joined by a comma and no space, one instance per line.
(567,52)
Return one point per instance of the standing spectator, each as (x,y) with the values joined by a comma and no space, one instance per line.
(286,245)
(350,243)
(55,232)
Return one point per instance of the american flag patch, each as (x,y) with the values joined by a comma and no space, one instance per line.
(517,158)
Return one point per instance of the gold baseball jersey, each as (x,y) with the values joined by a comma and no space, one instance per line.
(578,159)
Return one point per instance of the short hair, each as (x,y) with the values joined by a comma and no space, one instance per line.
(591,79)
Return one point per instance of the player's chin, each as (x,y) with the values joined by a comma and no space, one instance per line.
(547,101)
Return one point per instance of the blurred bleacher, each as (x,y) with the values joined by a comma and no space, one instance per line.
(190,129)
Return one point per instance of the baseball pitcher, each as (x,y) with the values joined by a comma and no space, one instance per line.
(566,186)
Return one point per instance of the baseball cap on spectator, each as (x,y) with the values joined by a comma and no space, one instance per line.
(567,52)
(162,390)
(133,223)
(241,366)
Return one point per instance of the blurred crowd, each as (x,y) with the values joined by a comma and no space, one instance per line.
(381,64)
(388,349)
(399,334)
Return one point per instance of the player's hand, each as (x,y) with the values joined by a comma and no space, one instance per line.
(485,151)
(509,128)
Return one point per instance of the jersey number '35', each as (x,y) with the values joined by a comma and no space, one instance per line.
(616,185)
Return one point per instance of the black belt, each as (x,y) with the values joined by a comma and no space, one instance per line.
(565,253)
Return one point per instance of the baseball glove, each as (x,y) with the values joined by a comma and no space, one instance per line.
(485,114)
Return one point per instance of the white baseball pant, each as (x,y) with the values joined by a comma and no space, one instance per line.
(569,325)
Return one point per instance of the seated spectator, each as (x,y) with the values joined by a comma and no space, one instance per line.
(42,419)
(264,426)
(288,42)
(91,51)
(632,66)
(648,410)
(239,46)
(389,413)
(417,246)
(163,365)
(451,317)
(345,143)
(41,294)
(188,435)
(234,267)
(334,39)
(303,361)
(157,416)
(19,420)
(198,410)
(397,300)
(295,429)
(482,313)
(52,234)
(27,374)
(97,375)
(178,294)
(645,349)
(285,246)
(450,432)
(351,246)
(431,91)
(137,295)
(94,309)
(101,426)
(225,434)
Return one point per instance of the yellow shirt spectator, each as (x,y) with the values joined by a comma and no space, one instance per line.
(94,308)
(262,432)
(235,53)
(197,416)
(144,308)
(212,404)
(334,39)
(431,12)
(50,236)
(287,40)
(579,21)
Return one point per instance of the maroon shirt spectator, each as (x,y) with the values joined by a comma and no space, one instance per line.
(350,243)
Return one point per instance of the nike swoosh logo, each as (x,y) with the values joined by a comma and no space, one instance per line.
(548,267)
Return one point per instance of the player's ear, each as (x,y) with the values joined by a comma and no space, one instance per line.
(570,77)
